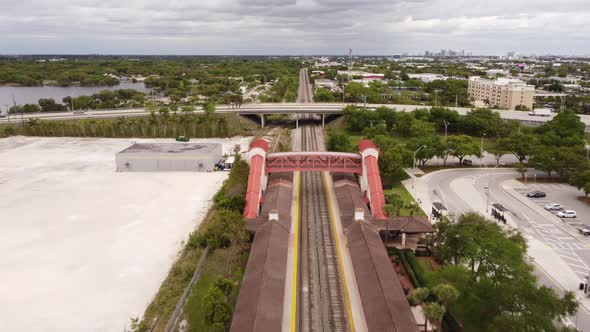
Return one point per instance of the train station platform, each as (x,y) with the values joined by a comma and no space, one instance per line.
(384,303)
(260,302)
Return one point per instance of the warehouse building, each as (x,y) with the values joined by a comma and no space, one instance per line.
(169,157)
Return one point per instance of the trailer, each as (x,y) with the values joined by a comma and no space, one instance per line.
(541,112)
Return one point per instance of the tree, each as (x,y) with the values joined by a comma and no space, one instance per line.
(489,268)
(440,115)
(545,159)
(49,105)
(565,129)
(498,151)
(581,180)
(431,144)
(481,120)
(323,96)
(421,128)
(209,109)
(461,146)
(521,168)
(419,296)
(217,310)
(434,312)
(393,157)
(445,293)
(520,144)
(357,119)
(338,141)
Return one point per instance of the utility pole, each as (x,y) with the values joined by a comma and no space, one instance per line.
(22,119)
(7,112)
(456,100)
(481,149)
(436,97)
(446,126)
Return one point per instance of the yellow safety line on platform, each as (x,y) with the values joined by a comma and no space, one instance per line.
(295,257)
(340,265)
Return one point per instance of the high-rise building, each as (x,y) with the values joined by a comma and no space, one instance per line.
(503,92)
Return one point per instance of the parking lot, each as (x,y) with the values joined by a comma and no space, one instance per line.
(567,197)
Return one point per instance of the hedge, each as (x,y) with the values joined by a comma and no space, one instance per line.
(417,268)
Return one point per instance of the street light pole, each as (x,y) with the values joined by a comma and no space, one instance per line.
(446,125)
(481,149)
(488,188)
(415,152)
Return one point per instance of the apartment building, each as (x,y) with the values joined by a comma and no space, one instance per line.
(503,92)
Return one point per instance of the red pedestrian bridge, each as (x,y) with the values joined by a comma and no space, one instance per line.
(363,163)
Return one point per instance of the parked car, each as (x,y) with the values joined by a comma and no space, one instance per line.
(467,162)
(536,194)
(584,230)
(553,207)
(566,214)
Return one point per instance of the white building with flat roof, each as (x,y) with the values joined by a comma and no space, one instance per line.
(427,78)
(505,93)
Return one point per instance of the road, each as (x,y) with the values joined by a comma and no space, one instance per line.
(561,257)
(281,108)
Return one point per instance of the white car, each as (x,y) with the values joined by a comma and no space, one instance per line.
(584,229)
(553,207)
(566,214)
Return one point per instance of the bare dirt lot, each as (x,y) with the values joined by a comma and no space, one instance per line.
(82,247)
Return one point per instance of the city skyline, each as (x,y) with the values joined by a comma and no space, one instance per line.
(288,27)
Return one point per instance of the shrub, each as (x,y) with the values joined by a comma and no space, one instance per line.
(416,268)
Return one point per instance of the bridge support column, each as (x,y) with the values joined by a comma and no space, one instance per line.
(262,120)
(323,120)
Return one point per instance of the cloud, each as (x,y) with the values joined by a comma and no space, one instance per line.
(293,26)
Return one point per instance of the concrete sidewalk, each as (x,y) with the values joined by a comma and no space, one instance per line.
(546,260)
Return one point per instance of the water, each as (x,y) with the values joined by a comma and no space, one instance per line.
(31,95)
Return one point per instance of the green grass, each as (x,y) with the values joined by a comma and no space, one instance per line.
(425,263)
(399,189)
(178,277)
(220,263)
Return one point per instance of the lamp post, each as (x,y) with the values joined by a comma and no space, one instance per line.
(446,126)
(481,149)
(415,152)
(436,97)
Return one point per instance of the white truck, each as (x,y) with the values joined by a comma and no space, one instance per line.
(541,112)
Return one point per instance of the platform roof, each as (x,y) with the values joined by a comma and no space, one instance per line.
(384,302)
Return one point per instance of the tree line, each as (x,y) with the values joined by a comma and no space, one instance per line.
(558,147)
(165,122)
(105,99)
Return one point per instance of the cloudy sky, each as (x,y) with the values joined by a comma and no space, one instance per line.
(246,27)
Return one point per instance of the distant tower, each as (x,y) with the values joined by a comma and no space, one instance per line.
(349,62)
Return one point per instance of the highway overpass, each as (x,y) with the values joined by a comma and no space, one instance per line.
(281,108)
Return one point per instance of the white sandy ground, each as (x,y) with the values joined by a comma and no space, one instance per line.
(82,247)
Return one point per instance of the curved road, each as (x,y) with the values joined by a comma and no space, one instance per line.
(561,257)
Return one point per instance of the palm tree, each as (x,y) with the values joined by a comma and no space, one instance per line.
(434,312)
(445,293)
(419,296)
(153,121)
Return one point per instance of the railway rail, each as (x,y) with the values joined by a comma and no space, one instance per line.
(321,305)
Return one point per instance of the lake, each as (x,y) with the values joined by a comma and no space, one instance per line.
(31,95)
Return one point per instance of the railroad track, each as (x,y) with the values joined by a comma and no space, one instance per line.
(321,305)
